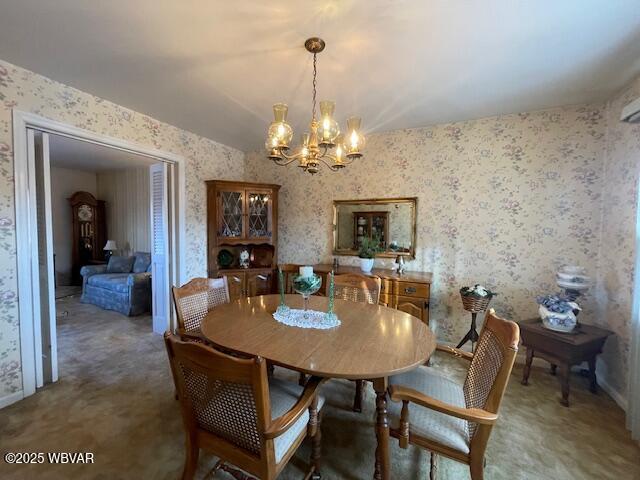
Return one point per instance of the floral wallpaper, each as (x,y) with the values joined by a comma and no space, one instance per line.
(502,201)
(27,91)
(619,236)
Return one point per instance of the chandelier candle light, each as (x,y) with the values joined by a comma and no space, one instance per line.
(325,136)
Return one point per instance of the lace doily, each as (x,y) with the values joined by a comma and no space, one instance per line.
(306,319)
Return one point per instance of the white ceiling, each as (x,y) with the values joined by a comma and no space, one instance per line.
(66,152)
(215,67)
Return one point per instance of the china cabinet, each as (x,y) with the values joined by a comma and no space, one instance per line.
(371,225)
(89,232)
(242,220)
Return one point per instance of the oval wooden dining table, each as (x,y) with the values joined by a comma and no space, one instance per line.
(373,342)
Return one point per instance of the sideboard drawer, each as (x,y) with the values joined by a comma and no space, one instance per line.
(411,289)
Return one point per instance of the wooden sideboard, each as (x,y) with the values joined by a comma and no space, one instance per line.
(409,292)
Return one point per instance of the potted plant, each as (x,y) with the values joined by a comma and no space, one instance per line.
(558,312)
(476,298)
(369,247)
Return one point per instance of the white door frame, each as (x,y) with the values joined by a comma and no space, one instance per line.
(26,229)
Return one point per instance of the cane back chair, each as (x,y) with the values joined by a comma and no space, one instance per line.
(289,270)
(231,409)
(451,419)
(363,289)
(194,300)
(357,288)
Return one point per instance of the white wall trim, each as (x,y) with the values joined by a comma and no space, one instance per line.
(613,393)
(23,208)
(11,398)
(23,250)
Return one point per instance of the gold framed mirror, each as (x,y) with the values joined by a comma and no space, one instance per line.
(391,220)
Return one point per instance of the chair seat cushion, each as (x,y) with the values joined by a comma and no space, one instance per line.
(284,395)
(116,282)
(424,422)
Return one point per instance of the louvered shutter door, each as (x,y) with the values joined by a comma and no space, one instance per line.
(159,253)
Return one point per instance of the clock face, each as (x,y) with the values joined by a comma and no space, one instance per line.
(85,213)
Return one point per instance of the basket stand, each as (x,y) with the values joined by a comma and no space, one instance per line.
(473,305)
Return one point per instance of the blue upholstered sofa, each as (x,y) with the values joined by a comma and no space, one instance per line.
(123,285)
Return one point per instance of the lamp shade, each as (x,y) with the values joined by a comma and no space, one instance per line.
(110,245)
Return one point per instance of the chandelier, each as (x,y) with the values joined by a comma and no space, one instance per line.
(325,143)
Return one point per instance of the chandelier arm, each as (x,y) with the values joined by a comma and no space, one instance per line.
(333,158)
(295,156)
(284,163)
(329,166)
(287,158)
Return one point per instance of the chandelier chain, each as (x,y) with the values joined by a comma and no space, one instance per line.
(315,72)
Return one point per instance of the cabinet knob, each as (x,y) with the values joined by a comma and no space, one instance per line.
(410,290)
(262,277)
(236,279)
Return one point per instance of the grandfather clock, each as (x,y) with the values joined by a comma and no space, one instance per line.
(88,234)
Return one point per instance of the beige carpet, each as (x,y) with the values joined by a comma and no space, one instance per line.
(115,399)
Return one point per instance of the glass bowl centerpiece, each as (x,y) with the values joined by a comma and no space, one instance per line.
(306,283)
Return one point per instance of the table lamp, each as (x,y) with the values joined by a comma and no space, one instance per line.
(109,248)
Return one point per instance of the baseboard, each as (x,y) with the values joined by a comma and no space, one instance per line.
(11,398)
(613,393)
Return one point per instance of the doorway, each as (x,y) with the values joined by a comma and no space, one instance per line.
(33,137)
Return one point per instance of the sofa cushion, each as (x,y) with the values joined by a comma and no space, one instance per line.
(116,282)
(120,264)
(142,262)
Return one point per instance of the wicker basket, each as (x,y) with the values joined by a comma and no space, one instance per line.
(475,304)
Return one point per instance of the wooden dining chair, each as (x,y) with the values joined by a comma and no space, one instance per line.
(230,408)
(194,300)
(358,288)
(363,289)
(288,271)
(450,419)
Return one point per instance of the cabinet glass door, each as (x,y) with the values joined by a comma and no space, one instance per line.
(259,214)
(231,205)
(379,229)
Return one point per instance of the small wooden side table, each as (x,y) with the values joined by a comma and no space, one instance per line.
(563,350)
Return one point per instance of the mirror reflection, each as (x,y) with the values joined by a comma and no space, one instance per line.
(389,221)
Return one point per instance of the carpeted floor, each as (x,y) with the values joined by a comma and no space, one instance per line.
(63,291)
(115,399)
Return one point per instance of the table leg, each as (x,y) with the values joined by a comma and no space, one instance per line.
(565,371)
(592,375)
(382,469)
(527,367)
